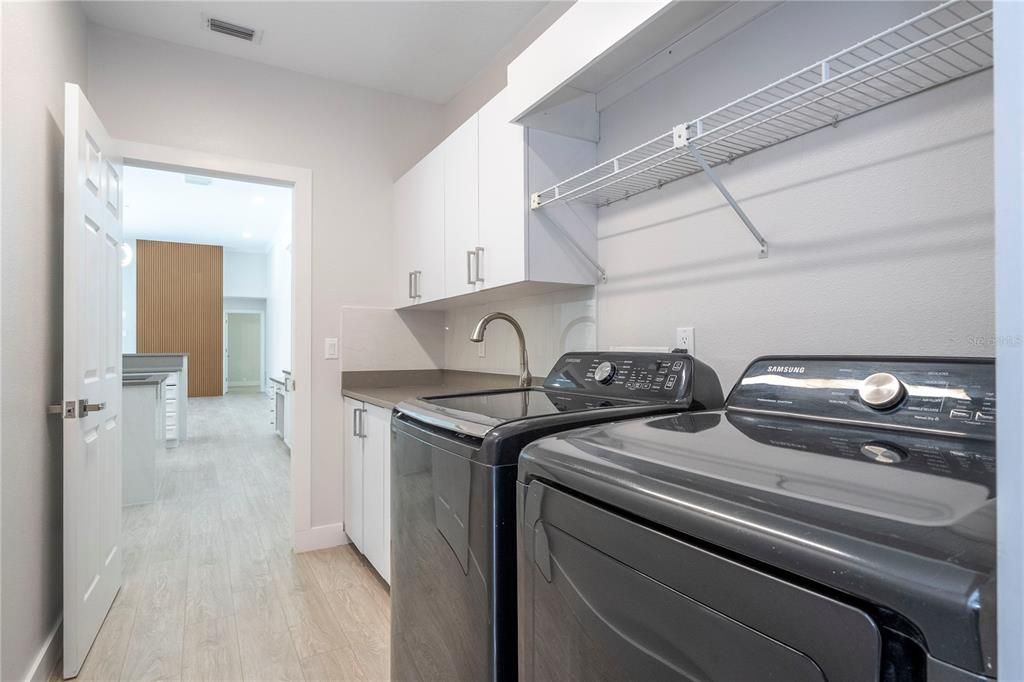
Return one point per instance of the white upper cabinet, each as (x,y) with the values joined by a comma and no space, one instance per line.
(461,208)
(501,259)
(548,72)
(462,220)
(429,209)
(418,255)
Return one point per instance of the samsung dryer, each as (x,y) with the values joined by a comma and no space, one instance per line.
(837,520)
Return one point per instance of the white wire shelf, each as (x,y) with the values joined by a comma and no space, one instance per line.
(946,43)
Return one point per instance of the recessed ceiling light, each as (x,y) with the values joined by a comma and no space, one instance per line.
(247,235)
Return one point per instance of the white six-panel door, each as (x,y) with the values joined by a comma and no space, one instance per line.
(92,376)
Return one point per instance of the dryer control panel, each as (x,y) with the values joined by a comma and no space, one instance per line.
(943,395)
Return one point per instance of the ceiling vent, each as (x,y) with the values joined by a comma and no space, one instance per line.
(234,30)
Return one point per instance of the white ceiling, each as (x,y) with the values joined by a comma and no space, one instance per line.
(427,50)
(160,205)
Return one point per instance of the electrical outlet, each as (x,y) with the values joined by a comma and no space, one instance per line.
(684,339)
(481,349)
(330,349)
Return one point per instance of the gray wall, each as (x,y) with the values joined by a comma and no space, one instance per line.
(43,46)
(881,231)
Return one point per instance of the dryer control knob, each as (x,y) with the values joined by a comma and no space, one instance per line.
(881,390)
(605,372)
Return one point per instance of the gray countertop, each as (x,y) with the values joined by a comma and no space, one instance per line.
(143,378)
(388,388)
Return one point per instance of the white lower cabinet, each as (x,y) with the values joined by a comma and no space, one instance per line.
(367,469)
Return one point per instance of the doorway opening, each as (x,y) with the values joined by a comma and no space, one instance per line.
(244,360)
(207,330)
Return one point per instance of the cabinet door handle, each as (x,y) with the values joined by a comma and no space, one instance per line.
(362,423)
(417,281)
(355,422)
(412,276)
(470,277)
(479,264)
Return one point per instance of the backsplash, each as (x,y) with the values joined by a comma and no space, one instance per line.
(386,339)
(554,324)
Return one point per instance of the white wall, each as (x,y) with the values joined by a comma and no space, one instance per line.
(245,274)
(44,45)
(355,141)
(880,231)
(1009,137)
(553,324)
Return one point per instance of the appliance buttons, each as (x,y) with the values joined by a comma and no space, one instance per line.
(960,414)
(671,381)
(677,365)
(646,385)
(984,417)
(630,386)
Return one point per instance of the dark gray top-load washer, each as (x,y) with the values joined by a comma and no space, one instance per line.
(453,509)
(837,520)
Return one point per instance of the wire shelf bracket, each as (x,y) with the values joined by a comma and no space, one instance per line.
(943,44)
(679,134)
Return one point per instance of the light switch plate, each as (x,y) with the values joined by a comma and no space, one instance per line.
(330,349)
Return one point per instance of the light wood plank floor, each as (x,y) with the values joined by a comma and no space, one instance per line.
(212,590)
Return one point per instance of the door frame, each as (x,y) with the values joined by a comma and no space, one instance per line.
(263,344)
(1008,102)
(304,536)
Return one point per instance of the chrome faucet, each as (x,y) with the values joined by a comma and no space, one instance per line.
(524,363)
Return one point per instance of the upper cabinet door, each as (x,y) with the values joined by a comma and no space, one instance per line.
(419,233)
(461,215)
(428,257)
(503,197)
(404,203)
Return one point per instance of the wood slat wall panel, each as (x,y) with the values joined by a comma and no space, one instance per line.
(180,308)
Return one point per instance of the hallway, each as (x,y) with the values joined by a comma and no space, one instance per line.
(212,590)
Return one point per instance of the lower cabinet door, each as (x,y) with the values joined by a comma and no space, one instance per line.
(353,472)
(375,446)
(385,569)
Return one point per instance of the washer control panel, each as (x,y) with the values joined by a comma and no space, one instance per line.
(948,395)
(641,376)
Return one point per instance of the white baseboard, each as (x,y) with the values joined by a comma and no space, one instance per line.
(320,537)
(47,658)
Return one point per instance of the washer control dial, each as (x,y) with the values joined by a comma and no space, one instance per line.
(883,453)
(605,372)
(881,390)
